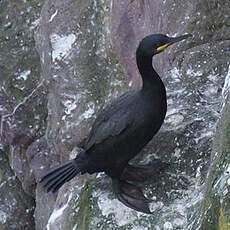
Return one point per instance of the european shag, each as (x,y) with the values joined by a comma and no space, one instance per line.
(121,130)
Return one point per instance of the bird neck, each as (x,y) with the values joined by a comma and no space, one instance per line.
(149,76)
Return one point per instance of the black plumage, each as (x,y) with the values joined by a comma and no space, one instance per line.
(121,130)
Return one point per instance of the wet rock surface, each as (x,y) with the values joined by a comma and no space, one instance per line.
(214,210)
(22,110)
(87,55)
(16,207)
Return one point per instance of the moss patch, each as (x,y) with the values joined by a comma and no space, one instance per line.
(223,222)
(84,208)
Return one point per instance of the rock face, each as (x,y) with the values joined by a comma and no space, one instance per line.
(49,100)
(22,109)
(16,207)
(214,212)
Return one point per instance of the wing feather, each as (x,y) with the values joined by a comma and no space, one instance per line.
(111,121)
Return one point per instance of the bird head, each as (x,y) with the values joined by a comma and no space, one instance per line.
(156,43)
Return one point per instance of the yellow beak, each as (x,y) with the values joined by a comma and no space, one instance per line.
(172,41)
(161,48)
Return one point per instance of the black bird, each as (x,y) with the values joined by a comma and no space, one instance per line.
(121,130)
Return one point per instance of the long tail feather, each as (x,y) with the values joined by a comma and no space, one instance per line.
(55,178)
(61,181)
(71,175)
(55,170)
(58,177)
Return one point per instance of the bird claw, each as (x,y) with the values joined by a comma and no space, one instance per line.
(131,196)
(142,173)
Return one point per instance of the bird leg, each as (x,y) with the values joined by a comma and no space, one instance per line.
(131,196)
(142,173)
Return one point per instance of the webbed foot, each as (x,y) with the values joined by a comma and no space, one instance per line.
(131,196)
(142,173)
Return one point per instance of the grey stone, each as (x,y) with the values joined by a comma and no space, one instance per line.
(214,211)
(16,207)
(23,97)
(22,110)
